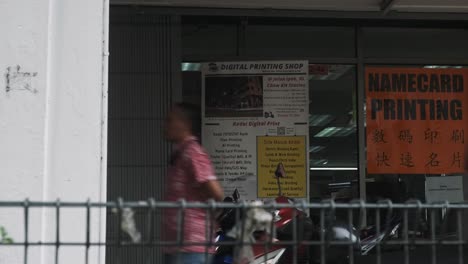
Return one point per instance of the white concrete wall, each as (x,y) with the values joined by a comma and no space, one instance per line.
(53,136)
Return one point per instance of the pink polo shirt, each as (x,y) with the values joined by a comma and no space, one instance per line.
(190,168)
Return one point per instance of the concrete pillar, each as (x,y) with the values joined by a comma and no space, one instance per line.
(53,120)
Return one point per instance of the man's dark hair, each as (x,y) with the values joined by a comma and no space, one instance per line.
(190,113)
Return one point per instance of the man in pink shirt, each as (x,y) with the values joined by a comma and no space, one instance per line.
(191,177)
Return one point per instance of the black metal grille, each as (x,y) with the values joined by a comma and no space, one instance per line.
(421,233)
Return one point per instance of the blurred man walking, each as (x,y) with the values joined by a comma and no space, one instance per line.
(191,177)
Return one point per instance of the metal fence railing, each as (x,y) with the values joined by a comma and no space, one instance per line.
(294,232)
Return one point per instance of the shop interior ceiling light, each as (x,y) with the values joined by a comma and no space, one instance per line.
(333,169)
(319,162)
(442,67)
(340,183)
(315,149)
(189,66)
(336,131)
(320,120)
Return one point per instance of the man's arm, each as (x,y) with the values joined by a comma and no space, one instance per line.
(213,190)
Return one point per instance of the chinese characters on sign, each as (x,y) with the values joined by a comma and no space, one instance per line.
(432,136)
(379,136)
(416,120)
(458,136)
(407,160)
(433,161)
(382,160)
(406,136)
(457,160)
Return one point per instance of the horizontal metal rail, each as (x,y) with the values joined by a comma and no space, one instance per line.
(322,205)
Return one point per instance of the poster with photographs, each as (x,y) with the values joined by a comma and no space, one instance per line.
(255,120)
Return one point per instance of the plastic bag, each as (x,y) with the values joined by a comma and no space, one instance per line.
(255,219)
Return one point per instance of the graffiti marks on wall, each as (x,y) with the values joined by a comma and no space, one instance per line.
(17,80)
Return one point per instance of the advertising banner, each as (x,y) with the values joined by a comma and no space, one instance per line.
(254,117)
(416,120)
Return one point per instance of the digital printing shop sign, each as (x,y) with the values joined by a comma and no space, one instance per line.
(416,120)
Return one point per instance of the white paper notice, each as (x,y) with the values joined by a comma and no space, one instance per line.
(244,102)
(446,188)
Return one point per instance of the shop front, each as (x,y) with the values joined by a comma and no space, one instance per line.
(368,85)
(377,110)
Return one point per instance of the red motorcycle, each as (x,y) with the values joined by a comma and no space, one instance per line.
(291,225)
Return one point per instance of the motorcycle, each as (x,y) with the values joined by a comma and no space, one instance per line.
(254,231)
(370,238)
(290,224)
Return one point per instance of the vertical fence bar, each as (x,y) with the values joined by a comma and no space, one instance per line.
(378,233)
(238,219)
(150,228)
(180,226)
(460,236)
(119,229)
(330,238)
(433,238)
(322,236)
(294,238)
(417,222)
(272,228)
(207,226)
(57,230)
(388,219)
(350,226)
(26,230)
(211,217)
(405,236)
(445,221)
(265,250)
(88,230)
(303,228)
(362,217)
(241,241)
(266,243)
